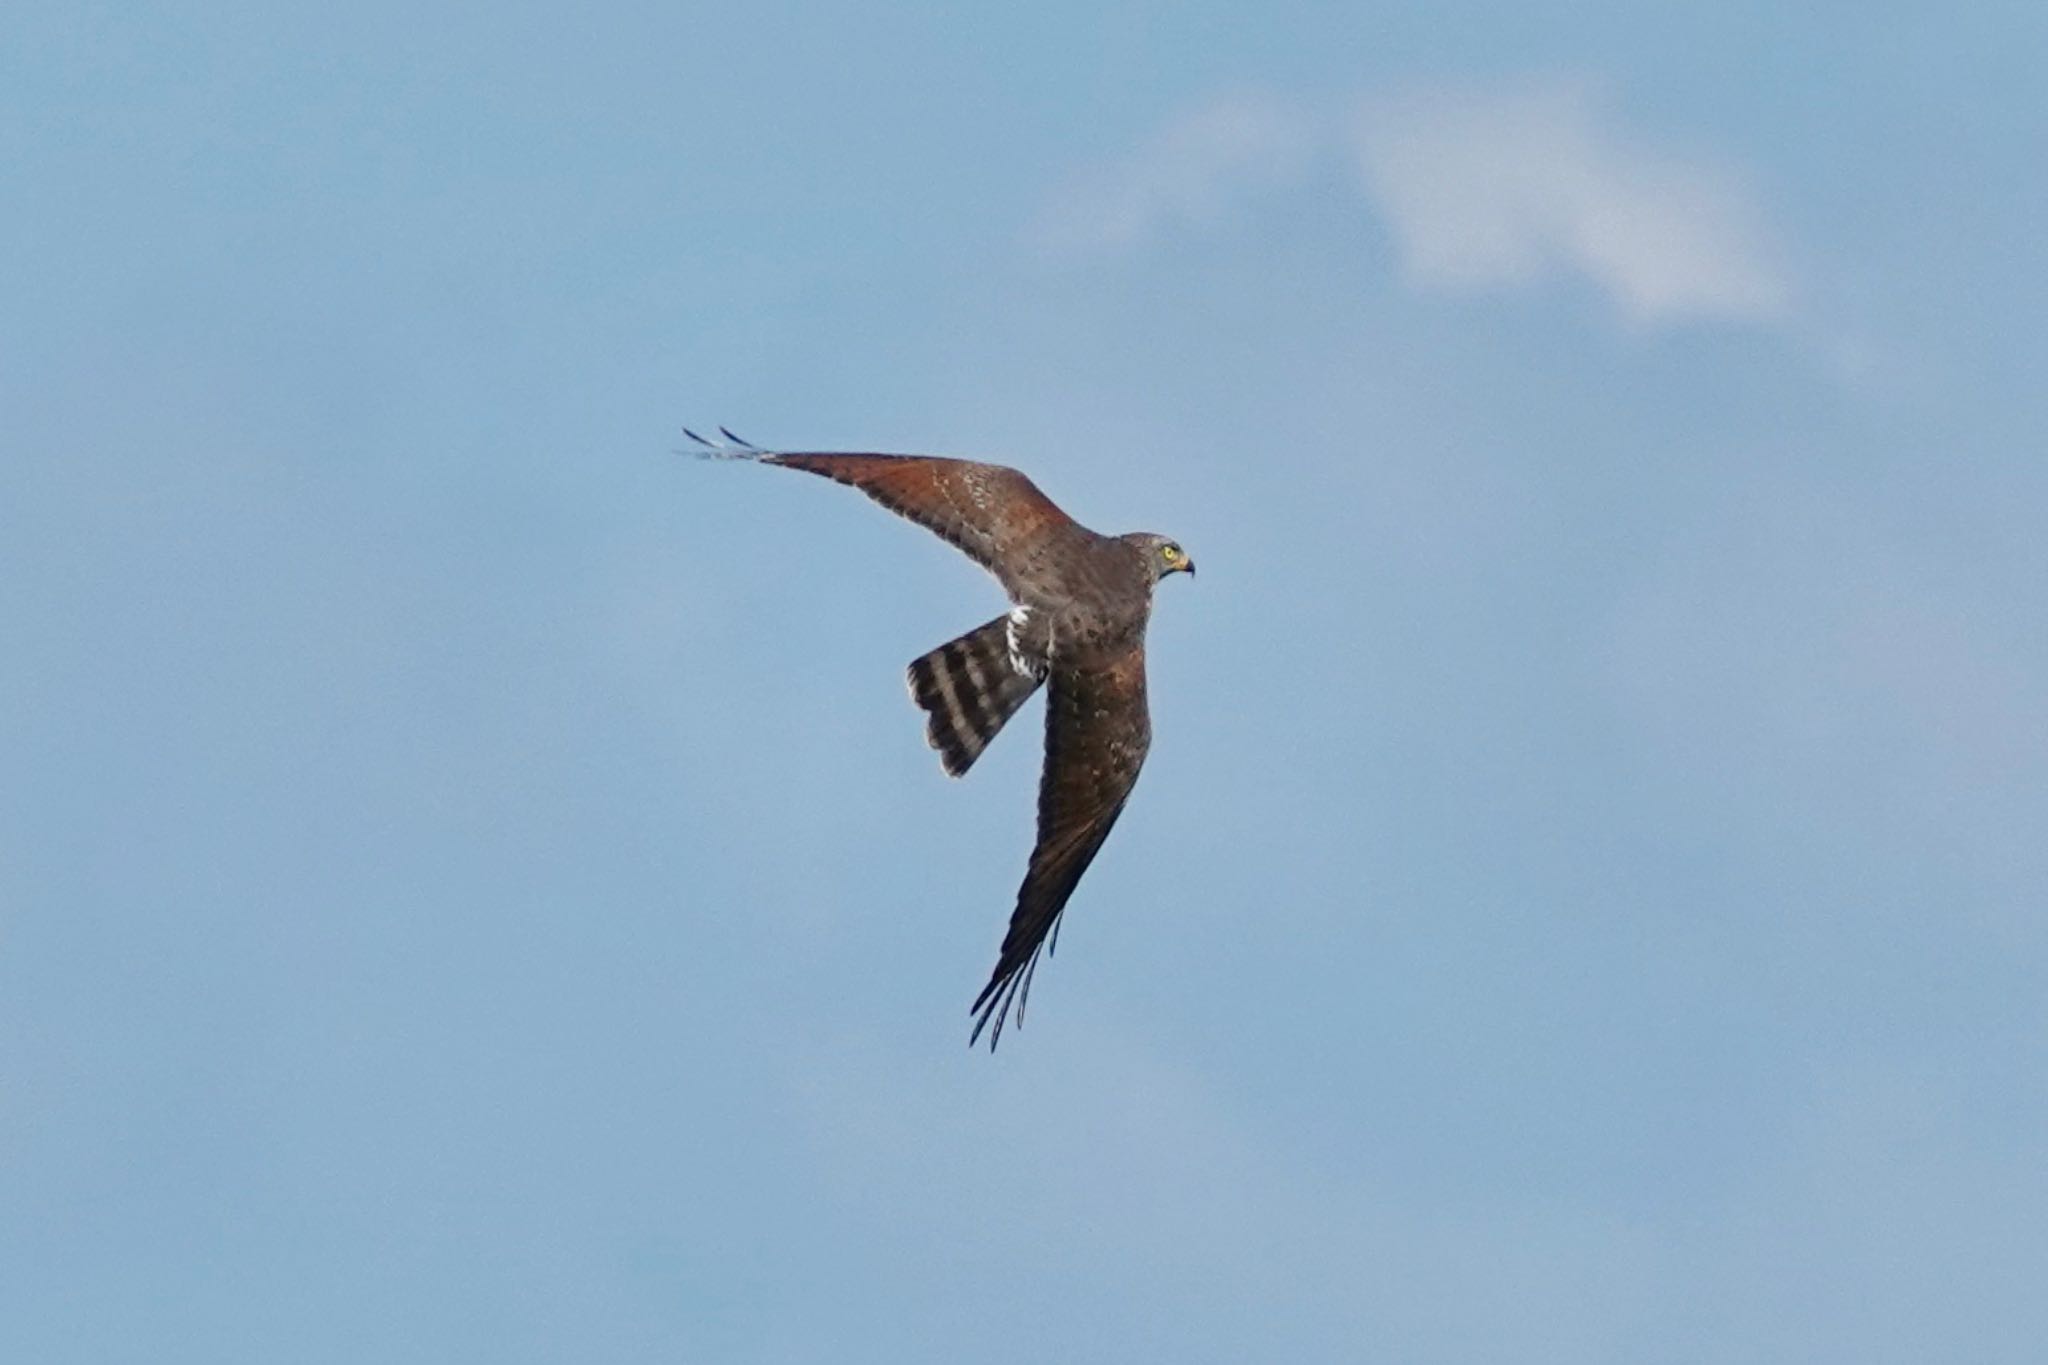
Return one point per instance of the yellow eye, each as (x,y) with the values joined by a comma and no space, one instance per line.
(1169,553)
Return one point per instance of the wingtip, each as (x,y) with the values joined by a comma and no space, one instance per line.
(996,999)
(988,1006)
(730,448)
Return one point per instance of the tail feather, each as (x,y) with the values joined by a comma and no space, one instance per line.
(968,687)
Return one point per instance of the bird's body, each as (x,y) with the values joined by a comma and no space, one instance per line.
(1080,604)
(1089,595)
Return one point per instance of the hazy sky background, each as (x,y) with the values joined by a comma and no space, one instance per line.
(472,887)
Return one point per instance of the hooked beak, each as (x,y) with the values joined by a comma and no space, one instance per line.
(1188,567)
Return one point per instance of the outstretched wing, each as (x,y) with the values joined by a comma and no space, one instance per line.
(990,511)
(1096,734)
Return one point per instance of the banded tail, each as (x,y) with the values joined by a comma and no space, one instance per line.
(968,687)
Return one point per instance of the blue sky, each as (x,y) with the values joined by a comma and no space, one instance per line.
(471,885)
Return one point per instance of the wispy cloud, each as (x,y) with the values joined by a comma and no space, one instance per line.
(1481,189)
(1489,189)
(1192,171)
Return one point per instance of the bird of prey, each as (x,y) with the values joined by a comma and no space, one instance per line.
(1079,606)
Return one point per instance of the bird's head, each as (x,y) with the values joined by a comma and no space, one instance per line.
(1162,553)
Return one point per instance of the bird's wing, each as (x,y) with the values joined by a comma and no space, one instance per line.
(991,512)
(1096,734)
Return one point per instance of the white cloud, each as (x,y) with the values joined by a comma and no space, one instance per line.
(1482,190)
(1491,189)
(1190,172)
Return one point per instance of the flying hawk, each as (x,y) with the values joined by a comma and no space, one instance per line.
(1080,602)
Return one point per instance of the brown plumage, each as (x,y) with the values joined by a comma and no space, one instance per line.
(1081,604)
